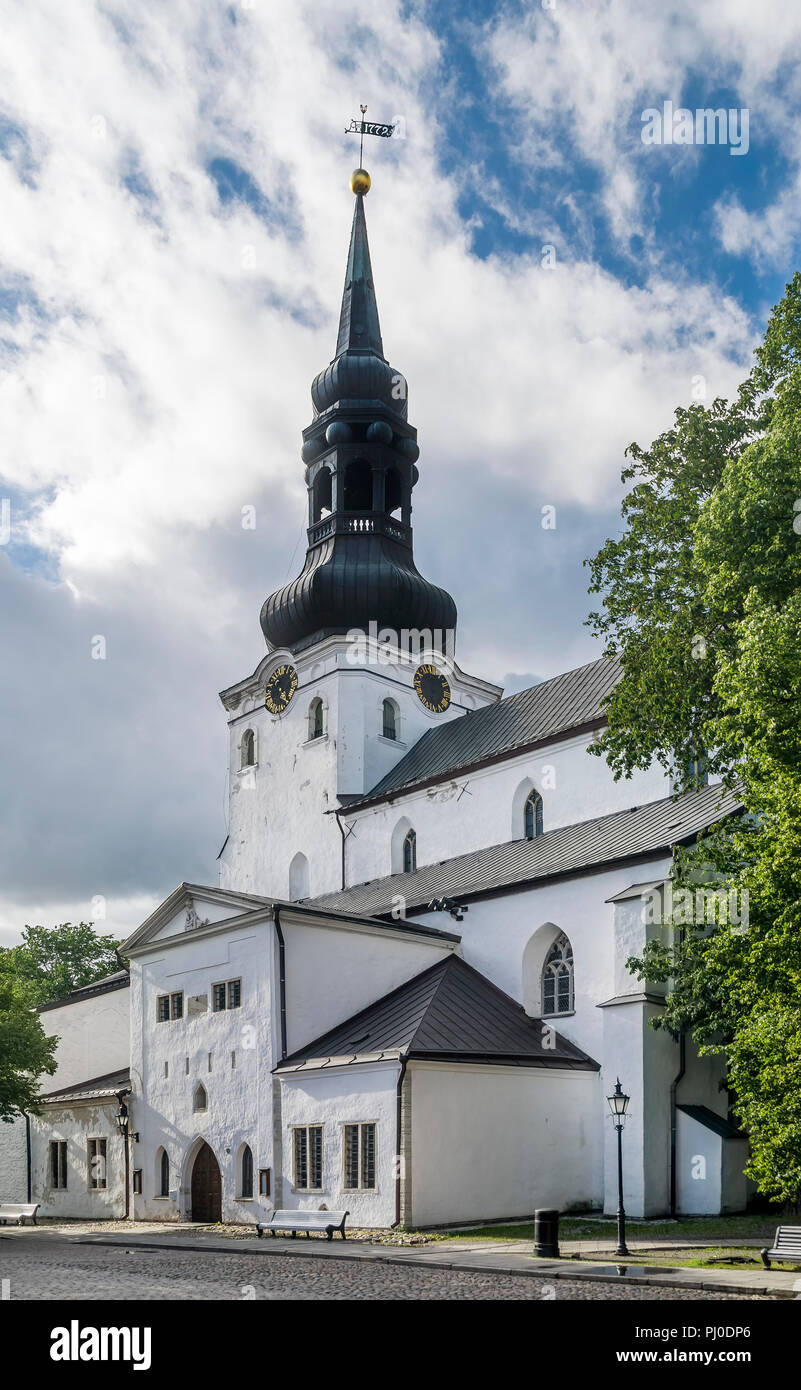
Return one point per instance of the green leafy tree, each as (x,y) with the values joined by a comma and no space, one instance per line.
(702,607)
(25,1051)
(50,962)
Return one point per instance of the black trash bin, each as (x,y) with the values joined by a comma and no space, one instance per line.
(546,1233)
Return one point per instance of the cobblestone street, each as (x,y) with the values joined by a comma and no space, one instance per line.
(48,1267)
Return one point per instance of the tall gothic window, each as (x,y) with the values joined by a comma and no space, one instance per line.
(316,723)
(557,978)
(247,1173)
(409,852)
(390,719)
(164,1174)
(248,749)
(532,815)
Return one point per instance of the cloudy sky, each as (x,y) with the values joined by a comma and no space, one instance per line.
(175,215)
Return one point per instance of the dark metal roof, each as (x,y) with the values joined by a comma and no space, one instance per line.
(717,1123)
(643,830)
(450,1012)
(530,717)
(119,980)
(111,1084)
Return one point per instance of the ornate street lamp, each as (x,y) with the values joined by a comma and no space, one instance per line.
(618,1104)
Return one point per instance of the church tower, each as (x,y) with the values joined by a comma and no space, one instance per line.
(361,662)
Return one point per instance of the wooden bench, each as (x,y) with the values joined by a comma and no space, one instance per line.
(308,1221)
(786,1246)
(19,1212)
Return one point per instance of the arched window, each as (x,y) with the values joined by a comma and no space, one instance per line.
(299,878)
(557,978)
(164,1174)
(532,815)
(409,852)
(321,495)
(390,719)
(316,721)
(358,486)
(247,749)
(246,1173)
(200,1099)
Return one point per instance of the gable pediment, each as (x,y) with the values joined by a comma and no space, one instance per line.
(190,909)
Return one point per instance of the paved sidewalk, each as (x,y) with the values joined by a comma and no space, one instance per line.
(509,1257)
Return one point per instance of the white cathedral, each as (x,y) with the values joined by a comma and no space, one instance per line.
(407,997)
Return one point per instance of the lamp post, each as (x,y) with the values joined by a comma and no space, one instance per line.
(618,1104)
(123,1125)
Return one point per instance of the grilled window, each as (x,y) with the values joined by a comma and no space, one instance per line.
(58,1163)
(360,1156)
(247,1172)
(96,1158)
(227,995)
(557,978)
(309,1157)
(169,1006)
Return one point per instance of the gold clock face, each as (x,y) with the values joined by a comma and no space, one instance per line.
(432,689)
(280,688)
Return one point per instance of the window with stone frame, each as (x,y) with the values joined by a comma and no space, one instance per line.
(360,1156)
(409,852)
(226,995)
(557,979)
(246,1173)
(247,749)
(169,1006)
(307,1146)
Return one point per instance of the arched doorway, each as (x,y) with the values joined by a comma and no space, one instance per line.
(206,1186)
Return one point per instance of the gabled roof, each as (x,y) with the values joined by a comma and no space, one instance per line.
(109,1085)
(642,831)
(525,720)
(450,1012)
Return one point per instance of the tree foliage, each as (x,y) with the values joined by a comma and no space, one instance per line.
(50,962)
(701,603)
(25,1052)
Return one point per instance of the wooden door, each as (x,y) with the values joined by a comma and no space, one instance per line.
(206,1187)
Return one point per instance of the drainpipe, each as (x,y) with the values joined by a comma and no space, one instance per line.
(28,1152)
(398,1142)
(344,837)
(673,1118)
(281,975)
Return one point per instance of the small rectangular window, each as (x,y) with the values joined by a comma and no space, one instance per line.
(177,1005)
(234,993)
(96,1157)
(186,1067)
(309,1157)
(233,1061)
(166,1068)
(218,996)
(137,1182)
(360,1156)
(264,1182)
(58,1163)
(209,1061)
(163,1008)
(227,995)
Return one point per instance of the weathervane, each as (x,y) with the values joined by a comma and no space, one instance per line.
(360,179)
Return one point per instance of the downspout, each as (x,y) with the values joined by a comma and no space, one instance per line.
(673,1113)
(28,1152)
(673,1116)
(398,1141)
(344,837)
(281,976)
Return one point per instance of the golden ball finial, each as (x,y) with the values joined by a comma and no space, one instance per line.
(360,181)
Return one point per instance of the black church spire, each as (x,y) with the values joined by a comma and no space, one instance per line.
(360,454)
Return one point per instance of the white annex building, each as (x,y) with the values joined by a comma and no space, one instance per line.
(407,996)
